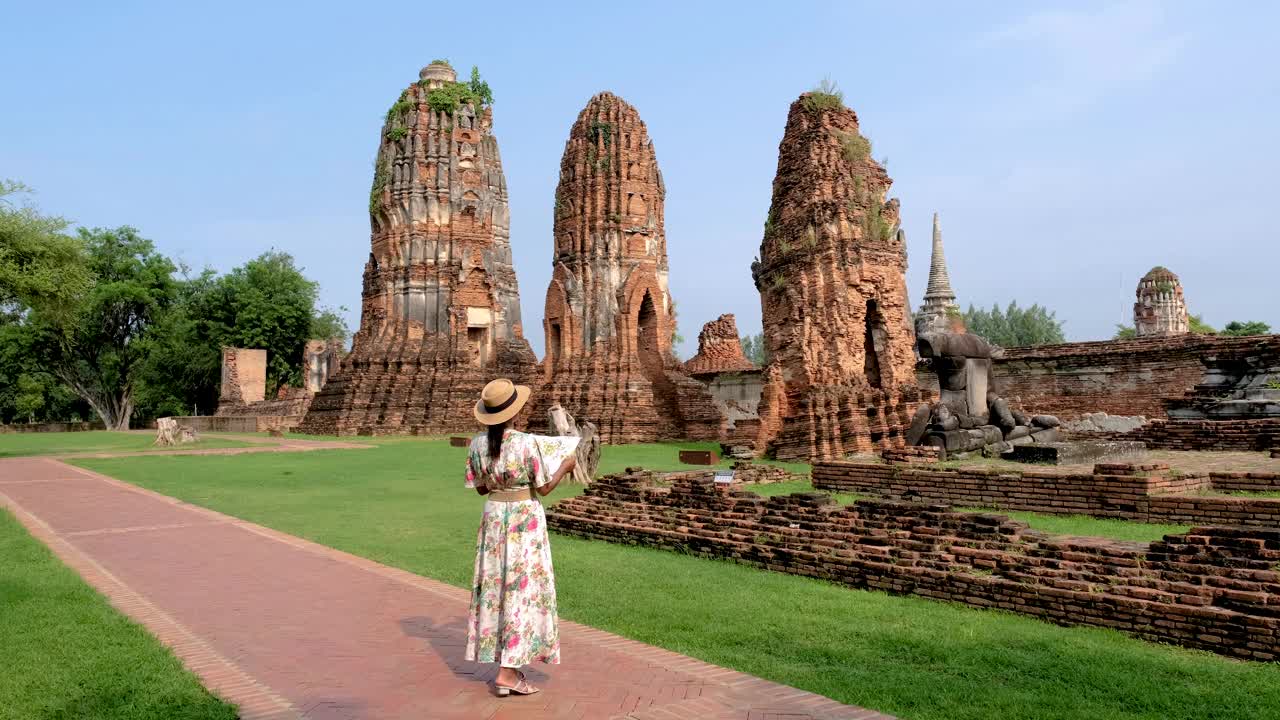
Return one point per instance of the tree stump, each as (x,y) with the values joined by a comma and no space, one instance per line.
(588,452)
(169,433)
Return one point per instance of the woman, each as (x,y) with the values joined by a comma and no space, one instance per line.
(513,600)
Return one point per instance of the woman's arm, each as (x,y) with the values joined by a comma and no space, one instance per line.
(565,467)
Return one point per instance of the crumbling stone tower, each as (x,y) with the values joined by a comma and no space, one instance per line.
(609,315)
(1160,309)
(833,292)
(440,314)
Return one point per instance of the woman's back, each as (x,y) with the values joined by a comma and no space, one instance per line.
(521,462)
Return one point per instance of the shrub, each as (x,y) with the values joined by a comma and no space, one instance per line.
(826,96)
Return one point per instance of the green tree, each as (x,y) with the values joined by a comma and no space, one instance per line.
(754,349)
(329,323)
(1236,328)
(266,303)
(1015,326)
(1198,326)
(98,348)
(1125,332)
(40,266)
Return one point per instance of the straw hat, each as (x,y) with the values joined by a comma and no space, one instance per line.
(500,401)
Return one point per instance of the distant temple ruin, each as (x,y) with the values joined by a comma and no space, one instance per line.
(440,314)
(1160,309)
(831,276)
(939,299)
(735,383)
(609,316)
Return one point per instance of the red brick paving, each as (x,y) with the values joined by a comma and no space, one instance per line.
(286,628)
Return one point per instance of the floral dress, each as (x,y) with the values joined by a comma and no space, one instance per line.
(513,599)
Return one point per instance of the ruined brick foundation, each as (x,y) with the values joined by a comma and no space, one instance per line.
(1143,492)
(1213,588)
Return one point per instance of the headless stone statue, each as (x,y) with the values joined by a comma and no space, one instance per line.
(969,415)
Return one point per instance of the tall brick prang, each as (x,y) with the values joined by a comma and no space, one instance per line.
(609,316)
(440,314)
(833,291)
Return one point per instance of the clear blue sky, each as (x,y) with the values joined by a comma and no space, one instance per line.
(1068,147)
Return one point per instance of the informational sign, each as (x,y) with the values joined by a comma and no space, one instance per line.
(724,477)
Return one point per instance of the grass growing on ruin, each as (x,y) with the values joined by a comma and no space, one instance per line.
(56,443)
(68,654)
(403,504)
(1128,530)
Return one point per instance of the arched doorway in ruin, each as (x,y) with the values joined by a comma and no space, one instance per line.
(873,345)
(647,330)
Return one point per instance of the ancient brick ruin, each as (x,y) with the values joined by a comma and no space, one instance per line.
(609,316)
(244,376)
(837,321)
(1160,309)
(734,382)
(1181,376)
(440,314)
(1211,588)
(719,349)
(1142,491)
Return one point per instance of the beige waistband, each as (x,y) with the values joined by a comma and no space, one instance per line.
(512,495)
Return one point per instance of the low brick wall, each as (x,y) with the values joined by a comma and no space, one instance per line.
(1119,377)
(51,427)
(1132,491)
(1214,588)
(1220,435)
(239,423)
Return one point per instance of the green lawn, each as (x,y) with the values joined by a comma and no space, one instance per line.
(67,654)
(57,443)
(403,504)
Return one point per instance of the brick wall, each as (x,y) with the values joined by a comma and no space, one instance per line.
(1214,588)
(1131,491)
(1120,377)
(1221,435)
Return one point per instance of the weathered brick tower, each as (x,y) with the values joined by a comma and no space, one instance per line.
(440,314)
(1161,308)
(609,316)
(833,292)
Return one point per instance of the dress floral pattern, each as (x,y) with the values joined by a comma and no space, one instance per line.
(513,600)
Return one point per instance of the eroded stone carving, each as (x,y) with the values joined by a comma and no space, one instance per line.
(969,415)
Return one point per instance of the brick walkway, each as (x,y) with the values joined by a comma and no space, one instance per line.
(286,628)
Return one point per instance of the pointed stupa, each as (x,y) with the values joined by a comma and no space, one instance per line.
(939,298)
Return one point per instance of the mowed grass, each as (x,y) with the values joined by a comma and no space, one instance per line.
(68,655)
(403,504)
(98,441)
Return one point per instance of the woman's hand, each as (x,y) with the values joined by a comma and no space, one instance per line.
(565,467)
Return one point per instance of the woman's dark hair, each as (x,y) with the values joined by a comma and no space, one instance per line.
(495,439)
